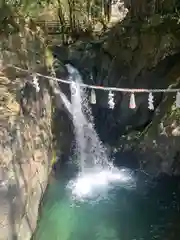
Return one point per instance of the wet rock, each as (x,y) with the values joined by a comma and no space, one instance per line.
(25,153)
(132,55)
(127,159)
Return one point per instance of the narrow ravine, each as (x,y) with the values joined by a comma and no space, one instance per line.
(107,170)
(105,203)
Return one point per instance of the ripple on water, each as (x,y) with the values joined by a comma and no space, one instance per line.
(122,214)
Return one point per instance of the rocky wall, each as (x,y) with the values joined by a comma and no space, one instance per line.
(25,154)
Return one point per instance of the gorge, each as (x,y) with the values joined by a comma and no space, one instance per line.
(134,47)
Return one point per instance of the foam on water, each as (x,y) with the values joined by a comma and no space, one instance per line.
(99,182)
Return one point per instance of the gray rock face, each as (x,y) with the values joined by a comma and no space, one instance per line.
(25,153)
(127,62)
(98,67)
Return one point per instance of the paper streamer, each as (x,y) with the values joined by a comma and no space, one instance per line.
(151,101)
(111,102)
(36,83)
(178,100)
(132,102)
(93,97)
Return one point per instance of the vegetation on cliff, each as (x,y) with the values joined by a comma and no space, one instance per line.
(25,125)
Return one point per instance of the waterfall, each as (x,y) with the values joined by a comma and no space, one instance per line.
(95,169)
(91,150)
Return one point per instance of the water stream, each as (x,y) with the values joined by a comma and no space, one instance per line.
(91,151)
(103,202)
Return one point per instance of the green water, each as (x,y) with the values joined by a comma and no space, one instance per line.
(122,215)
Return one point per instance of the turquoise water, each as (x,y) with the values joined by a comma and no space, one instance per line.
(147,213)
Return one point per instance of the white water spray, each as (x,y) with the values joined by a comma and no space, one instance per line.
(90,148)
(95,170)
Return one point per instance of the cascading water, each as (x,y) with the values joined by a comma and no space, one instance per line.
(97,204)
(95,170)
(91,151)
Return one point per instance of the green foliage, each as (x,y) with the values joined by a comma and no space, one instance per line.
(76,12)
(174,113)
